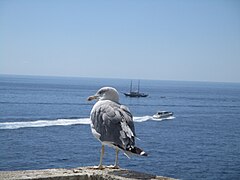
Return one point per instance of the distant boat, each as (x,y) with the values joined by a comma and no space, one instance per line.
(162,114)
(135,93)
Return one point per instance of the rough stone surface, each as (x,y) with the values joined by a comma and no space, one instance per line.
(81,173)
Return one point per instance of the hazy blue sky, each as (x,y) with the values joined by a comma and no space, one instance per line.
(143,39)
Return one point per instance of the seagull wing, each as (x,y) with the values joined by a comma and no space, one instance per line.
(114,123)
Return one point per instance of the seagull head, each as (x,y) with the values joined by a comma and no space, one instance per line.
(105,93)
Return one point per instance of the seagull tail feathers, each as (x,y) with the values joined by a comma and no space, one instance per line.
(132,150)
(136,151)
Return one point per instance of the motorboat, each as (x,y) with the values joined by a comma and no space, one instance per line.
(162,114)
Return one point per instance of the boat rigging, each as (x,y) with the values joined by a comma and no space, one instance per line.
(137,93)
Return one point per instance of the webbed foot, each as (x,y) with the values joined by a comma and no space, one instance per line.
(100,167)
(113,167)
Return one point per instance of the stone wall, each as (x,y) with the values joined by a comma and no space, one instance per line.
(81,173)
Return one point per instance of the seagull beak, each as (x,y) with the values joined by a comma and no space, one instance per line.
(90,98)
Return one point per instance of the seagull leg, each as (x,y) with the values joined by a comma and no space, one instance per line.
(100,166)
(115,166)
(116,160)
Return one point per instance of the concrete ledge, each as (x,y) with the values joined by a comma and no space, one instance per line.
(81,173)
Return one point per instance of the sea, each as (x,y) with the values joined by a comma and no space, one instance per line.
(44,123)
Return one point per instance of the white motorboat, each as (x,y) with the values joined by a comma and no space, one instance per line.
(162,114)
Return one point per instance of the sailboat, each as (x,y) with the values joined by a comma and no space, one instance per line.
(135,93)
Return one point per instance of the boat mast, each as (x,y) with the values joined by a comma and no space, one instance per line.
(138,85)
(131,86)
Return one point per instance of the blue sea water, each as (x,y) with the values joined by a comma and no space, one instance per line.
(44,123)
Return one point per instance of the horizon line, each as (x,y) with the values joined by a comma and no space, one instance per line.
(143,79)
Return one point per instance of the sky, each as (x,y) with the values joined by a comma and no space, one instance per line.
(185,40)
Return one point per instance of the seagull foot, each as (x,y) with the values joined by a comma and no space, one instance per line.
(113,167)
(77,170)
(100,167)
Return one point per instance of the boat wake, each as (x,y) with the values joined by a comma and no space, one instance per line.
(60,122)
(168,118)
(43,123)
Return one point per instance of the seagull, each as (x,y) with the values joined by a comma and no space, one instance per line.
(112,124)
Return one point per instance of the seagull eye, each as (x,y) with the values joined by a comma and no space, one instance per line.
(101,92)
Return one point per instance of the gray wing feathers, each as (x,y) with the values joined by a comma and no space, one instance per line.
(114,123)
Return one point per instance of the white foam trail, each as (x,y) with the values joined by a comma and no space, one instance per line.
(62,122)
(168,118)
(142,119)
(44,123)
